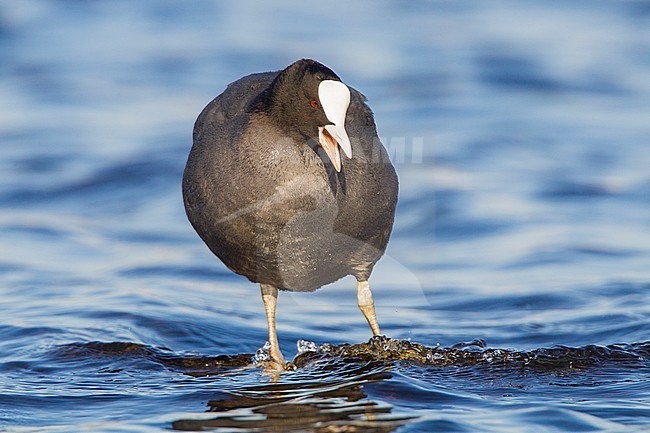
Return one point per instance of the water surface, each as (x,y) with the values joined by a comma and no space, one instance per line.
(515,292)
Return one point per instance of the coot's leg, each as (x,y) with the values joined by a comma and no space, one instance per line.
(367,305)
(270,298)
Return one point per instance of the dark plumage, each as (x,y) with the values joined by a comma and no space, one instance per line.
(266,198)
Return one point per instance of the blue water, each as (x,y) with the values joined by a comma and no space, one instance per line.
(516,287)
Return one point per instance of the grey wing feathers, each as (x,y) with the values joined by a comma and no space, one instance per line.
(233,101)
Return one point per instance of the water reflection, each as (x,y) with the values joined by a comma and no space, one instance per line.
(334,402)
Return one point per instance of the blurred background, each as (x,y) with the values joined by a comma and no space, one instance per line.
(520,131)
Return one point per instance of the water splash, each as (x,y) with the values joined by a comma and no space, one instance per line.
(304,346)
(382,348)
(262,355)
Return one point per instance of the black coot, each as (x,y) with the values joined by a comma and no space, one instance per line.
(289,185)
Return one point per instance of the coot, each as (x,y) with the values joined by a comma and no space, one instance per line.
(289,185)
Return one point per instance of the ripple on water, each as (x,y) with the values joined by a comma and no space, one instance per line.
(379,349)
(335,385)
(528,199)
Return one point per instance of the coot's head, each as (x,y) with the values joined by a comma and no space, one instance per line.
(308,99)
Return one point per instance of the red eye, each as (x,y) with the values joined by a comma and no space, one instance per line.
(314,103)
